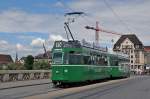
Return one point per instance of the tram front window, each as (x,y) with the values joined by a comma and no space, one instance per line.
(75,59)
(57,58)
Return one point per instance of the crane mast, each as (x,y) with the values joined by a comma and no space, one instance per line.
(97,29)
(97,33)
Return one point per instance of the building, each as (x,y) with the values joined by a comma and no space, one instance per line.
(131,45)
(5,59)
(147,55)
(22,60)
(43,57)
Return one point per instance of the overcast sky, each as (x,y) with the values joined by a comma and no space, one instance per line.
(26,24)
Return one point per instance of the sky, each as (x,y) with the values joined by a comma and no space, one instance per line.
(26,24)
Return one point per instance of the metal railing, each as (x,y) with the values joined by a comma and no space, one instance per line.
(22,75)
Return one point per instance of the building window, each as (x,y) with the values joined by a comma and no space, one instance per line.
(131,56)
(131,66)
(117,47)
(131,61)
(135,67)
(139,67)
(137,46)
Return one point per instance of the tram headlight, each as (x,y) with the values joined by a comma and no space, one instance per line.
(65,70)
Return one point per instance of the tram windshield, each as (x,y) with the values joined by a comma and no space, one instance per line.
(57,58)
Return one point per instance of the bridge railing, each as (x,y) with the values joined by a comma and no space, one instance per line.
(22,75)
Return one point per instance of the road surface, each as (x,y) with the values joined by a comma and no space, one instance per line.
(137,87)
(20,92)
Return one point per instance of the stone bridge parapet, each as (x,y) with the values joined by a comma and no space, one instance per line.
(22,75)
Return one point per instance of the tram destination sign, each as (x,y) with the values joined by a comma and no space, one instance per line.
(68,44)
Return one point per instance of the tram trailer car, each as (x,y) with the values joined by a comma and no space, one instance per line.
(73,62)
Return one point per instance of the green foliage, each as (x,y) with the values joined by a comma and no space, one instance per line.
(28,65)
(41,65)
(29,62)
(12,66)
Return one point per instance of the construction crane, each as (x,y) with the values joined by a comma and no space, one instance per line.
(97,29)
(47,55)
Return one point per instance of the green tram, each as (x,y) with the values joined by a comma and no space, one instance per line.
(74,62)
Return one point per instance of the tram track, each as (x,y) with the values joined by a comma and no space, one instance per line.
(101,90)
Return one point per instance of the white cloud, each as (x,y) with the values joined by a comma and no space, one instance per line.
(19,47)
(135,16)
(37,42)
(3,46)
(3,42)
(19,21)
(56,38)
(24,49)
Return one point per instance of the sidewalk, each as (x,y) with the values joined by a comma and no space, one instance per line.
(15,84)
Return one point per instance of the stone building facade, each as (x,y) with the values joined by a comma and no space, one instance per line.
(147,55)
(131,45)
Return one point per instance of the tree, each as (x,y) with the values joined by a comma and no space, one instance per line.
(14,66)
(29,62)
(41,65)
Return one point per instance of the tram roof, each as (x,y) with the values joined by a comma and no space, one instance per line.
(77,44)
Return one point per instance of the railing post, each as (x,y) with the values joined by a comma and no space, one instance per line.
(31,76)
(20,76)
(41,75)
(5,77)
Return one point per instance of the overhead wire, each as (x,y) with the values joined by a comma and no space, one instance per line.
(111,9)
(72,10)
(117,16)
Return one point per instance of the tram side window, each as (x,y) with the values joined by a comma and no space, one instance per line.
(65,58)
(91,60)
(75,59)
(114,62)
(102,61)
(98,60)
(86,60)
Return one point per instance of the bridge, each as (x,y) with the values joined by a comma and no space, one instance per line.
(36,84)
(15,78)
